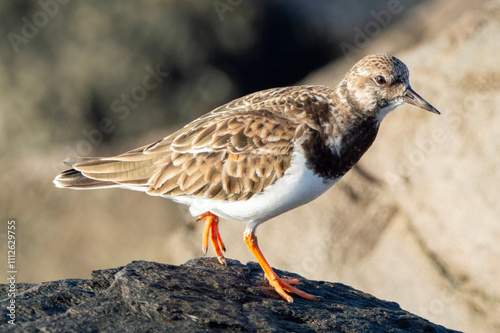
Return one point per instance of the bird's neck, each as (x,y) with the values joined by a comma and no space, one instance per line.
(350,123)
(341,141)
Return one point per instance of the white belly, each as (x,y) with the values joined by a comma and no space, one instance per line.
(298,186)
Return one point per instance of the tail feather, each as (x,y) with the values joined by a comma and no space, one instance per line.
(117,171)
(76,180)
(92,173)
(74,160)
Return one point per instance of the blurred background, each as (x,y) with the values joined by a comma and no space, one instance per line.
(416,222)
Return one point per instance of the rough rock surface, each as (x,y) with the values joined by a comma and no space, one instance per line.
(201,295)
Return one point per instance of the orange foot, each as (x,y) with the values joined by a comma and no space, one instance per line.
(279,284)
(212,230)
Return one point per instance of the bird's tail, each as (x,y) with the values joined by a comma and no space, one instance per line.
(74,179)
(97,173)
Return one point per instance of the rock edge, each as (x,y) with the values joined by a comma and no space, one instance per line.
(200,295)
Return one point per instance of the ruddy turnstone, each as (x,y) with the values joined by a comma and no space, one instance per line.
(260,155)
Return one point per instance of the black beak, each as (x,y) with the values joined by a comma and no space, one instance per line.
(411,97)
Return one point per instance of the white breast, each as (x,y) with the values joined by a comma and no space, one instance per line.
(298,186)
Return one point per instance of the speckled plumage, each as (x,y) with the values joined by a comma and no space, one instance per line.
(262,154)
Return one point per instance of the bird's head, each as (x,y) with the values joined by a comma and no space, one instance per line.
(378,83)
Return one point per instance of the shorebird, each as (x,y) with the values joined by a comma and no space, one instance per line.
(260,155)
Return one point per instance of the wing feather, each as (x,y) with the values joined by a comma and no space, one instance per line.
(231,153)
(229,157)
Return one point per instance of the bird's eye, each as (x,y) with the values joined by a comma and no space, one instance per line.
(380,80)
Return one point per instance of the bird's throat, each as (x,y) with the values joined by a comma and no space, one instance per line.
(333,156)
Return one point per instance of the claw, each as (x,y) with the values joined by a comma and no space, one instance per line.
(211,231)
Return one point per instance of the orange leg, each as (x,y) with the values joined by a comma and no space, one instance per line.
(212,230)
(278,283)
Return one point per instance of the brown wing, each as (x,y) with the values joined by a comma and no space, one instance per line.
(228,157)
(230,153)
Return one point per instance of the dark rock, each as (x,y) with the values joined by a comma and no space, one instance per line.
(201,295)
